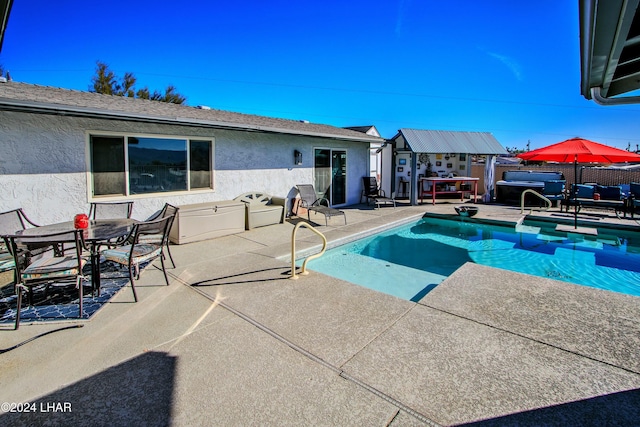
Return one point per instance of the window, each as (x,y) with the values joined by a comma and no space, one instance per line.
(125,165)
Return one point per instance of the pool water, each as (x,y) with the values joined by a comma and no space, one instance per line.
(411,260)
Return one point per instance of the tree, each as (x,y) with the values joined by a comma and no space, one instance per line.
(4,72)
(105,81)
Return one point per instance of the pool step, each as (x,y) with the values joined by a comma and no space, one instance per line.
(529,229)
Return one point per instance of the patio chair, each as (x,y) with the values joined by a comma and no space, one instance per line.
(634,197)
(10,223)
(171,211)
(60,267)
(310,201)
(371,191)
(554,190)
(145,242)
(103,210)
(110,210)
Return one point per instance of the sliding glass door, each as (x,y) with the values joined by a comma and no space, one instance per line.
(330,175)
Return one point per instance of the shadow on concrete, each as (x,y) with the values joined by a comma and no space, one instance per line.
(136,392)
(616,409)
(237,279)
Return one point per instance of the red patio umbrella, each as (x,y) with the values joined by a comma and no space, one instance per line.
(578,150)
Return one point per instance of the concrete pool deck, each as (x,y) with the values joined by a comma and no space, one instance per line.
(233,341)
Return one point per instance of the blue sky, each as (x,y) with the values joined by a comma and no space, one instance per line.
(507,67)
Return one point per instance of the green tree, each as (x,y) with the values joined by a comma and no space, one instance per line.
(105,81)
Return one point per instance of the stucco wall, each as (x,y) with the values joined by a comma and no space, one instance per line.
(43,164)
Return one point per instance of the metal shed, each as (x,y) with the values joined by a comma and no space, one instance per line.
(419,152)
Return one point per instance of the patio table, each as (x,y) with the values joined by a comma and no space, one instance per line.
(454,180)
(98,232)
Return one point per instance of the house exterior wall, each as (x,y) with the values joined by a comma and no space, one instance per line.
(44,164)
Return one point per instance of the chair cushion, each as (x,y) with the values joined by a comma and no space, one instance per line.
(51,267)
(553,187)
(634,188)
(141,253)
(609,192)
(583,191)
(6,261)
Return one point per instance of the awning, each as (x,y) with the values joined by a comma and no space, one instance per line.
(436,141)
(609,49)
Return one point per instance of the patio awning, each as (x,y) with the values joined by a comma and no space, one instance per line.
(436,141)
(610,50)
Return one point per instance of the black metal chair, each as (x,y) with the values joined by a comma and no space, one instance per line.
(371,191)
(112,210)
(145,243)
(60,267)
(14,220)
(171,211)
(11,222)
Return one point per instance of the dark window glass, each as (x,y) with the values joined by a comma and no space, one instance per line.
(200,164)
(157,165)
(107,164)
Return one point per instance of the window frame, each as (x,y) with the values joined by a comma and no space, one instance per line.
(125,137)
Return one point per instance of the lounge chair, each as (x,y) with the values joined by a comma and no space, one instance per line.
(310,201)
(371,191)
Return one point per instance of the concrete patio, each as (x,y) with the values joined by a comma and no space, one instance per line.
(234,341)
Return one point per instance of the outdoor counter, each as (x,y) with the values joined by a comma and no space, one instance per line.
(447,181)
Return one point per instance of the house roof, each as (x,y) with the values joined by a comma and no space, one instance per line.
(16,96)
(609,48)
(438,141)
(369,130)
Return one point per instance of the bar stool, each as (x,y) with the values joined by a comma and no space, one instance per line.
(403,188)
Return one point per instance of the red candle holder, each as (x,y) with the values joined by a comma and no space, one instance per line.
(81,221)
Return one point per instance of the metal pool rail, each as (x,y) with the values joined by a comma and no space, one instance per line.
(303,270)
(530,191)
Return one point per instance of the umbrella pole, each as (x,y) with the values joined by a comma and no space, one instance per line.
(575,192)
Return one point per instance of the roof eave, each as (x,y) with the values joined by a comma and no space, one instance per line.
(604,32)
(65,110)
(5,11)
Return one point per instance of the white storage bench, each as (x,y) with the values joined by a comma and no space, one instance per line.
(202,221)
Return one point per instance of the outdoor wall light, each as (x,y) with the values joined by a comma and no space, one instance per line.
(297,157)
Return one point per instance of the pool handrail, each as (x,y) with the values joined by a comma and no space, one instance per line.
(530,191)
(303,270)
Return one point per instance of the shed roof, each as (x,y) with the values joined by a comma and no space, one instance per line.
(438,141)
(16,96)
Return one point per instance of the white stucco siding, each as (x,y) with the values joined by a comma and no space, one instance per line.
(42,167)
(43,164)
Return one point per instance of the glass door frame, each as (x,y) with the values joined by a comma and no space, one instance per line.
(320,176)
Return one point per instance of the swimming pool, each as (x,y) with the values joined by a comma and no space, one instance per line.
(410,260)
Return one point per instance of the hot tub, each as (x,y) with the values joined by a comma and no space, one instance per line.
(515,182)
(511,191)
